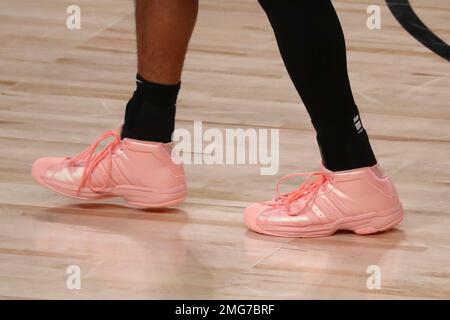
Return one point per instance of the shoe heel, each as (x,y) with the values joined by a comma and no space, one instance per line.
(154,199)
(380,223)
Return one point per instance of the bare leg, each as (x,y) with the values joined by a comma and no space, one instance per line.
(163,30)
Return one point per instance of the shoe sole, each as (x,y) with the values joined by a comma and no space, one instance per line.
(137,197)
(363,224)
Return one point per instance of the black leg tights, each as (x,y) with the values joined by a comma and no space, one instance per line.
(312,46)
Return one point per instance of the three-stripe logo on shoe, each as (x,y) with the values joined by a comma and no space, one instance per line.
(358,124)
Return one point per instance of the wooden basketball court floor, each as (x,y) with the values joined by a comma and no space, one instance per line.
(62,88)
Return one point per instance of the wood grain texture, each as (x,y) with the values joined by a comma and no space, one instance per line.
(59,89)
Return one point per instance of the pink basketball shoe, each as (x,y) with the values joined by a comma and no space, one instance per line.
(141,172)
(361,200)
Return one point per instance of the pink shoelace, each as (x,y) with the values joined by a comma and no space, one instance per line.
(92,159)
(309,186)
